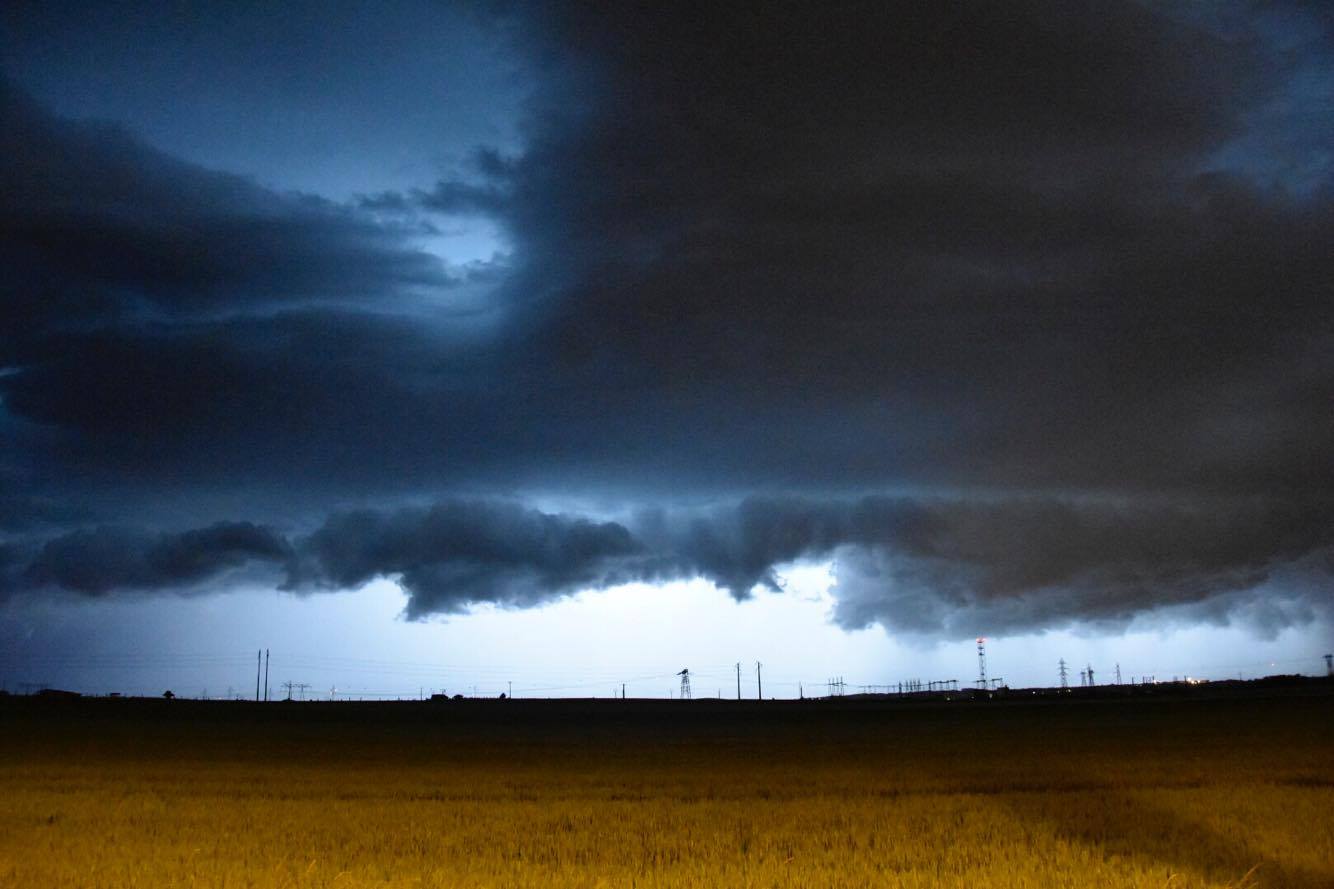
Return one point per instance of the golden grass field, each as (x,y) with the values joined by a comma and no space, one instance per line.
(1117,793)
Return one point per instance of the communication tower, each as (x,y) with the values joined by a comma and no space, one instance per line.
(981,661)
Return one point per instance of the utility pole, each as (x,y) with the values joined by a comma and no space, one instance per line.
(259,657)
(266,674)
(1064,682)
(738,680)
(509,686)
(759,682)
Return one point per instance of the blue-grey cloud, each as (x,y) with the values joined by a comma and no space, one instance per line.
(930,566)
(461,553)
(102,560)
(1011,255)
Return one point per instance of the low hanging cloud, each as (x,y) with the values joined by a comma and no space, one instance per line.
(98,561)
(925,566)
(462,553)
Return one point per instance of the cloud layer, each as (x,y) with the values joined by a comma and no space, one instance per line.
(1007,310)
(932,567)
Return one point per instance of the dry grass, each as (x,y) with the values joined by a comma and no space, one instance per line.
(1201,793)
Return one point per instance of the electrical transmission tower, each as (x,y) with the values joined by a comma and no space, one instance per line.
(1118,674)
(1064,682)
(1329,665)
(685,684)
(981,661)
(1090,672)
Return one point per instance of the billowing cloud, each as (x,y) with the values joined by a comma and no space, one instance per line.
(98,561)
(934,567)
(462,553)
(1020,264)
(101,228)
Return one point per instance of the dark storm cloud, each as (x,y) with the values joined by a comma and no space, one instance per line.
(101,560)
(100,228)
(1015,255)
(1018,566)
(160,316)
(20,513)
(461,553)
(955,567)
(983,238)
(935,567)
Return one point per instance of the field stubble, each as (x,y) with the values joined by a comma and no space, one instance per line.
(1190,793)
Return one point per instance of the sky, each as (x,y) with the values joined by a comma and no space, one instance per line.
(542,348)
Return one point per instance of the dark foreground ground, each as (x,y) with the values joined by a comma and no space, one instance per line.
(1229,785)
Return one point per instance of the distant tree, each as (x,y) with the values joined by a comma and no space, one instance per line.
(168,694)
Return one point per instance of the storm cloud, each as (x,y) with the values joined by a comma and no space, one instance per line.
(458,554)
(102,560)
(1011,311)
(932,567)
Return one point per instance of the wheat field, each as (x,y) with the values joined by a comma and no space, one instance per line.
(1113,793)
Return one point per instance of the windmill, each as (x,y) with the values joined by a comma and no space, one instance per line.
(685,684)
